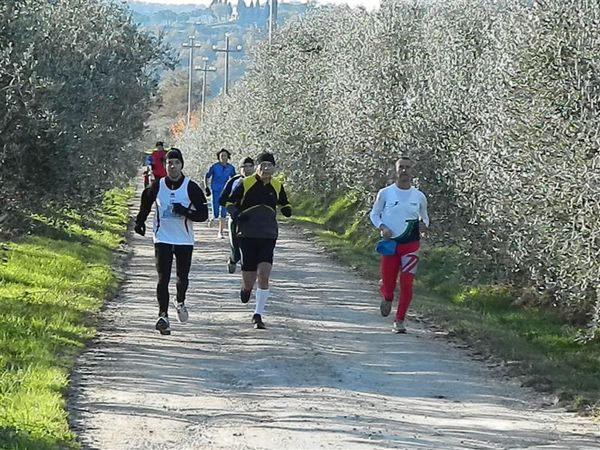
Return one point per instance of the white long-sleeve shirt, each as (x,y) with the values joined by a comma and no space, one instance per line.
(400,210)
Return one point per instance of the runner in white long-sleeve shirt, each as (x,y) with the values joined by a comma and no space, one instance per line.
(400,213)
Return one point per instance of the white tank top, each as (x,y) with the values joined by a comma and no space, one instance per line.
(171,228)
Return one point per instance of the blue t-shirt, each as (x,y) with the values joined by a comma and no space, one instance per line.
(220,173)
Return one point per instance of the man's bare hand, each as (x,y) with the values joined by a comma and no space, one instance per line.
(386,233)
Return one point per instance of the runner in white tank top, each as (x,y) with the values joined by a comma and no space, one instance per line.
(170,227)
(179,202)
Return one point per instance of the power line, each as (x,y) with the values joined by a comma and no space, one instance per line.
(191,45)
(227,51)
(272,20)
(205,71)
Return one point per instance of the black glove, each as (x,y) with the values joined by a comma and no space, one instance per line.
(140,228)
(178,208)
(233,212)
(207,191)
(286,211)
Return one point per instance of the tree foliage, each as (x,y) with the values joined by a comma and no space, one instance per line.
(76,79)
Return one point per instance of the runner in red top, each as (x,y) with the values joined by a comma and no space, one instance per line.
(158,161)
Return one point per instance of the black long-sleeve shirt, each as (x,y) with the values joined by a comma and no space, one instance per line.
(226,192)
(200,214)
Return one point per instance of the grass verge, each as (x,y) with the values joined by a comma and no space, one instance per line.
(51,285)
(533,342)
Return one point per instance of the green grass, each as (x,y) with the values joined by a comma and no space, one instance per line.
(492,319)
(51,285)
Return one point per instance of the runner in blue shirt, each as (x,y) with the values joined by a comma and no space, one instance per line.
(219,173)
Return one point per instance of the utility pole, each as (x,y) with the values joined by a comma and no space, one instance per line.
(227,51)
(191,45)
(272,20)
(205,71)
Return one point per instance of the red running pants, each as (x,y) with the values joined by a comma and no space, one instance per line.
(405,262)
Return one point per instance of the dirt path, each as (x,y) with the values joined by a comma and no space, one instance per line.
(327,373)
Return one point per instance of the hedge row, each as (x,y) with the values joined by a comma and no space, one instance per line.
(76,79)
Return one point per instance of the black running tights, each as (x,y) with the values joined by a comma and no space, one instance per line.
(163,254)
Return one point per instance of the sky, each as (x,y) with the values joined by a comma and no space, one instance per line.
(368,4)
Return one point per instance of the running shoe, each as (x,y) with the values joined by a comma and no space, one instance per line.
(231,266)
(182,312)
(399,327)
(258,323)
(245,295)
(385,307)
(162,325)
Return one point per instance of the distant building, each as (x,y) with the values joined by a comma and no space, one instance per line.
(254,13)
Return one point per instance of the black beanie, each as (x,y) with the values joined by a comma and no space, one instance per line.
(246,160)
(175,153)
(265,157)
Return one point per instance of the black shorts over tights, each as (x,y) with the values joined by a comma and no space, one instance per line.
(255,251)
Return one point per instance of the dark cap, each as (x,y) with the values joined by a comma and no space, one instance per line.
(175,153)
(265,157)
(246,160)
(160,144)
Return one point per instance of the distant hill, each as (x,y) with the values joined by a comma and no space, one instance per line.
(246,23)
(254,12)
(151,8)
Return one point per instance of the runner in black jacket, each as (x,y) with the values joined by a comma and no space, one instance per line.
(253,203)
(246,169)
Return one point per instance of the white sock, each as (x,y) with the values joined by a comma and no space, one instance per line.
(261,300)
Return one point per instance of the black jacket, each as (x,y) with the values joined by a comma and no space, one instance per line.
(254,205)
(226,192)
